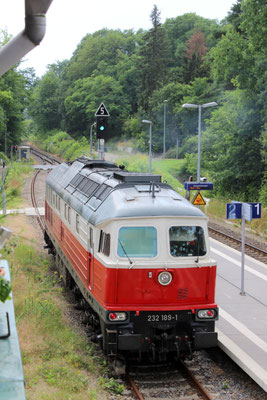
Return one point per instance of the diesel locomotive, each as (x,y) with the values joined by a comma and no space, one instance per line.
(139,254)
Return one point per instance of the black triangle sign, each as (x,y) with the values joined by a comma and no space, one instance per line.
(102,111)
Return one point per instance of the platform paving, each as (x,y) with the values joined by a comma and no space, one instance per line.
(30,211)
(242,325)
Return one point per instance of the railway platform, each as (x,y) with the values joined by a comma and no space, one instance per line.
(242,325)
(11,373)
(30,211)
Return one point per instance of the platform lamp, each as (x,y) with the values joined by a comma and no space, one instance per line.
(199,106)
(91,137)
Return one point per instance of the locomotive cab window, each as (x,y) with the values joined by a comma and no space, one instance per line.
(139,241)
(187,241)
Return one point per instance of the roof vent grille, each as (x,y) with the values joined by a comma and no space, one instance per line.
(136,177)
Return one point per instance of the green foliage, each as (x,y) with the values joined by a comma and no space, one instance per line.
(62,377)
(4,158)
(12,100)
(44,106)
(5,289)
(191,164)
(263,191)
(62,144)
(14,181)
(111,384)
(154,57)
(232,147)
(232,60)
(187,59)
(84,99)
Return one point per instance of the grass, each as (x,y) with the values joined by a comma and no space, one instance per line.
(17,173)
(58,361)
(170,170)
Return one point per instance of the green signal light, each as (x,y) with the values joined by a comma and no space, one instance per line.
(102,128)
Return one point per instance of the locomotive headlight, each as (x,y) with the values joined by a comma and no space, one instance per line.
(117,316)
(165,278)
(206,314)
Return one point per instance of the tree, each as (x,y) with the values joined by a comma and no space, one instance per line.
(179,30)
(154,57)
(12,103)
(232,147)
(84,98)
(44,106)
(196,50)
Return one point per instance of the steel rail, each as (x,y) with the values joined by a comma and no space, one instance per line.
(45,156)
(198,386)
(34,202)
(201,391)
(134,387)
(250,246)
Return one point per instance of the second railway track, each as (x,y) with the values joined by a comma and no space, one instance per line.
(256,250)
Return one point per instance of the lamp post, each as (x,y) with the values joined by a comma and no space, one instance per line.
(145,121)
(199,106)
(164,129)
(91,137)
(5,143)
(177,145)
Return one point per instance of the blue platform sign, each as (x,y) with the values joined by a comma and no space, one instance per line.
(234,210)
(256,210)
(251,210)
(198,185)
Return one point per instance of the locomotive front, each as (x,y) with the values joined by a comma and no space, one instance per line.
(150,280)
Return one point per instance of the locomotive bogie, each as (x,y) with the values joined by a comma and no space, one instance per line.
(139,254)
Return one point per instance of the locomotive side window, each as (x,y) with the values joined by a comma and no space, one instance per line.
(187,241)
(104,243)
(91,240)
(69,214)
(58,203)
(77,223)
(139,241)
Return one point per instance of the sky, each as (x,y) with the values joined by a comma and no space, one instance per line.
(68,21)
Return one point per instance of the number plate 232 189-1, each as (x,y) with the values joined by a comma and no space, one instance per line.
(162,318)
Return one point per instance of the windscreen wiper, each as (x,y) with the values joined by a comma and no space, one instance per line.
(130,261)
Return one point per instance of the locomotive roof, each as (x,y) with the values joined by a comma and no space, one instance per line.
(99,190)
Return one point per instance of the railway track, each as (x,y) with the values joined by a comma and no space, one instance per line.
(168,381)
(40,219)
(255,250)
(45,158)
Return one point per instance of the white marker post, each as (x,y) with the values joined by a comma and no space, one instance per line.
(246,215)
